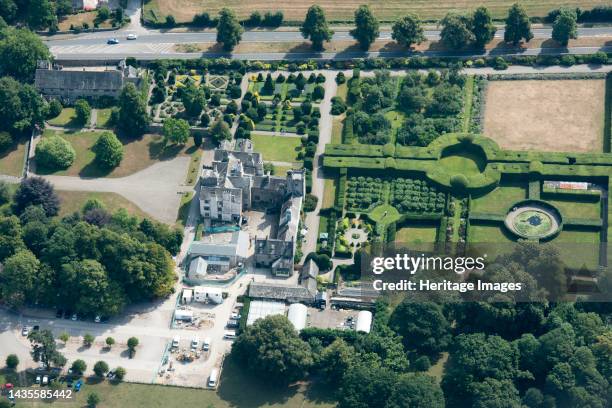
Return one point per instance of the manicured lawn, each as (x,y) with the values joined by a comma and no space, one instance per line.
(384,214)
(183,212)
(72,201)
(397,119)
(574,209)
(138,154)
(103,118)
(489,234)
(499,200)
(281,171)
(583,245)
(194,167)
(78,19)
(342,91)
(337,126)
(417,234)
(12,159)
(277,148)
(329,195)
(65,118)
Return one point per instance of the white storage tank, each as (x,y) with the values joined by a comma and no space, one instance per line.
(364,321)
(297,315)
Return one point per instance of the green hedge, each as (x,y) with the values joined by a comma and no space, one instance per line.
(476,216)
(341,191)
(582,222)
(348,136)
(587,195)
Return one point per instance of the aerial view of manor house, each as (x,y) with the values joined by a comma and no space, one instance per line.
(196,199)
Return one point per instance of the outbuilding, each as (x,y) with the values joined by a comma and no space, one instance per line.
(364,321)
(297,315)
(184,315)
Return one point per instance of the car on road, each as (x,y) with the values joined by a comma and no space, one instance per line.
(212,379)
(195,343)
(74,317)
(112,41)
(38,379)
(45,380)
(25,331)
(132,36)
(98,319)
(206,344)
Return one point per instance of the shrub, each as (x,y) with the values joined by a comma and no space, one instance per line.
(120,373)
(6,141)
(422,364)
(54,152)
(170,21)
(109,150)
(79,367)
(83,111)
(310,202)
(12,361)
(202,20)
(100,368)
(55,108)
(318,92)
(323,261)
(500,64)
(340,78)
(337,106)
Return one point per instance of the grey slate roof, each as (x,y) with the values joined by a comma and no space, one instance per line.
(78,80)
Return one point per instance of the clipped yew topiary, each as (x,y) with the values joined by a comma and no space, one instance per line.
(459,181)
(54,152)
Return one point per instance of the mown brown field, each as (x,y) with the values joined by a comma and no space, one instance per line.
(546,115)
(342,10)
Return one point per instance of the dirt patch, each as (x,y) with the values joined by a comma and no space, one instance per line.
(560,115)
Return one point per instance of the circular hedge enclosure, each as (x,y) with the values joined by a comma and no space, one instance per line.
(533,219)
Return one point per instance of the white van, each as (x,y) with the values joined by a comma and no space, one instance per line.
(195,343)
(176,341)
(229,335)
(206,344)
(212,379)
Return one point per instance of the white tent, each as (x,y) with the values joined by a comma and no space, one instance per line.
(297,315)
(364,321)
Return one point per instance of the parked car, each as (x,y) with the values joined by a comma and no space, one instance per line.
(25,331)
(112,41)
(195,343)
(132,36)
(212,379)
(98,319)
(235,316)
(36,328)
(176,341)
(232,324)
(229,335)
(206,344)
(74,317)
(78,385)
(45,380)
(38,379)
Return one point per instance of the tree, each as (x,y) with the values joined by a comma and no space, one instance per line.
(83,112)
(54,152)
(220,131)
(335,360)
(416,390)
(132,118)
(41,14)
(229,30)
(483,28)
(109,150)
(93,399)
(120,373)
(8,10)
(44,348)
(366,385)
(456,33)
(20,50)
(36,191)
(21,106)
(518,26)
(88,339)
(110,341)
(422,325)
(315,27)
(132,343)
(100,368)
(366,27)
(18,277)
(194,100)
(55,108)
(273,349)
(64,337)
(12,361)
(565,27)
(176,131)
(492,393)
(79,367)
(408,30)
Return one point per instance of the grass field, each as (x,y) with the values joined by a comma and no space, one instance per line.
(489,234)
(103,118)
(573,209)
(12,159)
(138,154)
(78,19)
(583,245)
(65,118)
(337,126)
(329,195)
(390,10)
(546,115)
(499,200)
(72,201)
(277,148)
(417,234)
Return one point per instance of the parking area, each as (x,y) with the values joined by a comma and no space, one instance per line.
(332,318)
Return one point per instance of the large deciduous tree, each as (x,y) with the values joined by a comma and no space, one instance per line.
(408,30)
(18,277)
(315,27)
(176,131)
(54,152)
(518,26)
(229,30)
(366,27)
(109,150)
(272,348)
(482,27)
(21,106)
(456,31)
(44,348)
(565,27)
(133,118)
(36,191)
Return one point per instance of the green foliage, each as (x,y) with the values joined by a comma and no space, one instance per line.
(54,152)
(21,106)
(88,339)
(6,140)
(19,277)
(220,131)
(483,28)
(79,367)
(310,202)
(44,348)
(323,261)
(272,349)
(366,27)
(193,99)
(408,30)
(518,26)
(363,193)
(55,108)
(315,27)
(83,112)
(100,368)
(120,373)
(20,49)
(565,27)
(109,150)
(12,361)
(132,118)
(93,399)
(176,131)
(41,14)
(459,181)
(229,30)
(456,32)
(416,196)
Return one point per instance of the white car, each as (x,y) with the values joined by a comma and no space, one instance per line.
(25,331)
(235,316)
(132,36)
(195,343)
(38,379)
(97,319)
(74,317)
(45,380)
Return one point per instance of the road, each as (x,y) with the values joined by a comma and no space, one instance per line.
(154,44)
